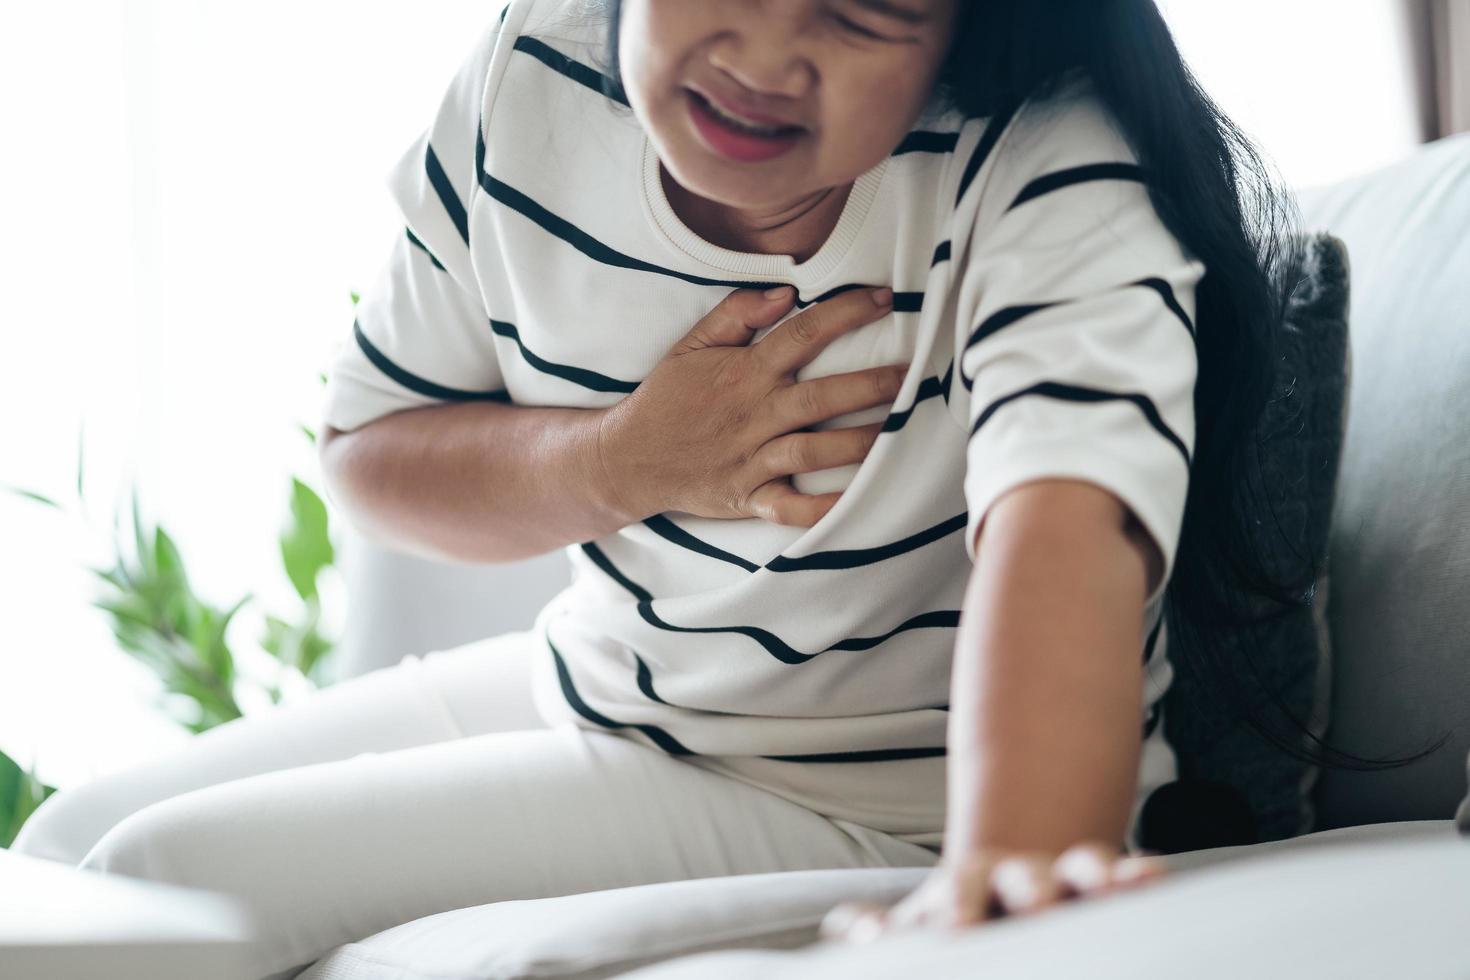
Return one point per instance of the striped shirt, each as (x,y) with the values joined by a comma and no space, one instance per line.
(1043,308)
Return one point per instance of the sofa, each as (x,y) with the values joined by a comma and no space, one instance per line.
(1379,887)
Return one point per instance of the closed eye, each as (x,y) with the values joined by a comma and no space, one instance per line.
(858,28)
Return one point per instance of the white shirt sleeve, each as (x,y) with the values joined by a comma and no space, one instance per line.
(422,333)
(1074,337)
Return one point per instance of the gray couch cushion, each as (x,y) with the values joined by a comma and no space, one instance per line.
(607,933)
(1400,539)
(1225,767)
(1393,907)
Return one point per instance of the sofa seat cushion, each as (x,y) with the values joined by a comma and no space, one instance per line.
(1394,907)
(611,933)
(608,933)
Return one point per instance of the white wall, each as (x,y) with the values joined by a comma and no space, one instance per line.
(190,191)
(1326,87)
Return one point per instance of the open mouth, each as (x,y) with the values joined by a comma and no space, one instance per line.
(740,126)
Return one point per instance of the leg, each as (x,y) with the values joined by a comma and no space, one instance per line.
(446,694)
(334,852)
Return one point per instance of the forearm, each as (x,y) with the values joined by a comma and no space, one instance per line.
(474,482)
(1044,729)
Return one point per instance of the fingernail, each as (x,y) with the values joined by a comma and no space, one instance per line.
(1130,870)
(882,297)
(1087,871)
(865,929)
(780,292)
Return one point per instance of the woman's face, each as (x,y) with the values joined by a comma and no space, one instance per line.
(807,62)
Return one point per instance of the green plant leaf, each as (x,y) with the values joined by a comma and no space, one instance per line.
(81,456)
(111,576)
(20,794)
(140,539)
(218,654)
(310,435)
(31,495)
(306,547)
(172,578)
(355,298)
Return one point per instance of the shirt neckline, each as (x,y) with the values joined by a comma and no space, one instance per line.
(677,234)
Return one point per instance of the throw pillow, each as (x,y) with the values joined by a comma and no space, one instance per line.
(1234,787)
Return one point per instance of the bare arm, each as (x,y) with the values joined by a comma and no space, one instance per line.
(474,482)
(1044,734)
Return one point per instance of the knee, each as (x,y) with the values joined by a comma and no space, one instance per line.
(64,826)
(156,842)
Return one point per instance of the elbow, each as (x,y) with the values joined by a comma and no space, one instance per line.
(329,453)
(339,465)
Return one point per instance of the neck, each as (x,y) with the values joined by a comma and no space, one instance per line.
(797,229)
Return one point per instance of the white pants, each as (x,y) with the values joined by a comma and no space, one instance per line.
(422,787)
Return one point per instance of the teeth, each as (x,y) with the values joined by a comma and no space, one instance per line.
(742,124)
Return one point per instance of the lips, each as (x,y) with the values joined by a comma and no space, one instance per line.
(743,114)
(734,143)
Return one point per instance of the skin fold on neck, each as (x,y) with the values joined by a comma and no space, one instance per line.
(798,230)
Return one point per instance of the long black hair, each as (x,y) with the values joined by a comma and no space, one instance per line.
(1213,190)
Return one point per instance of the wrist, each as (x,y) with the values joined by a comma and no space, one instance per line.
(615,488)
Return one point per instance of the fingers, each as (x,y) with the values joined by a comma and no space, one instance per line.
(991,885)
(1084,868)
(1023,885)
(806,452)
(781,503)
(799,340)
(735,320)
(818,399)
(1095,868)
(854,922)
(1138,870)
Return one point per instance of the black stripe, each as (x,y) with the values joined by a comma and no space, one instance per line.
(927,141)
(941,254)
(1153,636)
(945,381)
(929,388)
(415,239)
(1076,393)
(858,557)
(774,645)
(1044,185)
(673,746)
(576,375)
(415,383)
(1166,292)
(444,187)
(571,68)
(1014,314)
(997,124)
(854,558)
(869,755)
(586,244)
(661,738)
(645,681)
(1153,719)
(994,324)
(667,529)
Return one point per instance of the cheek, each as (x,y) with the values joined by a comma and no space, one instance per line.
(872,116)
(644,39)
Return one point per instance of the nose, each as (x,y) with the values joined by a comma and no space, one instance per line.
(761,62)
